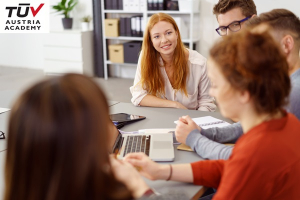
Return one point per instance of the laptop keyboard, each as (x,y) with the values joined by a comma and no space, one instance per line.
(137,143)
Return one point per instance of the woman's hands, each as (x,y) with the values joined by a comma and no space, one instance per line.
(129,176)
(147,167)
(184,126)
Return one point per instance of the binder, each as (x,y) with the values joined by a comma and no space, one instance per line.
(108,4)
(142,6)
(155,6)
(138,26)
(120,4)
(122,26)
(128,26)
(143,25)
(131,4)
(136,5)
(150,4)
(133,26)
(126,5)
(114,4)
(160,5)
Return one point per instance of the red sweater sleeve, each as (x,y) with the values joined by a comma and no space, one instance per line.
(208,172)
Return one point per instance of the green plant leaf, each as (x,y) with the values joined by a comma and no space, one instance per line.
(70,3)
(62,6)
(71,8)
(63,2)
(58,8)
(65,7)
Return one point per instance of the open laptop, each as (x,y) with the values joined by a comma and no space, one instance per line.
(159,147)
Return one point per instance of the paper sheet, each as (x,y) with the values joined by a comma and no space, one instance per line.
(2,110)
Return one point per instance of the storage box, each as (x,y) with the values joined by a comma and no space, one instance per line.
(112,27)
(188,5)
(132,51)
(116,53)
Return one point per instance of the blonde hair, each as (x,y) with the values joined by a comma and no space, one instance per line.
(151,78)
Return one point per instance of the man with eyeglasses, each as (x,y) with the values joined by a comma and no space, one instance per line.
(231,15)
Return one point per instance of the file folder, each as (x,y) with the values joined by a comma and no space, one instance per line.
(122,26)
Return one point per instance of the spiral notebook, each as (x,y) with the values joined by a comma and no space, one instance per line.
(208,122)
(205,123)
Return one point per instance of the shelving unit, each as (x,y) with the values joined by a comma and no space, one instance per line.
(192,16)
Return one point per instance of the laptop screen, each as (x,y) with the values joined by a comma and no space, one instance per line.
(114,138)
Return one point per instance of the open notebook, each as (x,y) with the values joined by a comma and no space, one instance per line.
(208,122)
(205,123)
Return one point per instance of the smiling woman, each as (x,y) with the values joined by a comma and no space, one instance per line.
(168,74)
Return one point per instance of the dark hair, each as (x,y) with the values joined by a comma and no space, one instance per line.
(57,145)
(253,62)
(247,7)
(279,20)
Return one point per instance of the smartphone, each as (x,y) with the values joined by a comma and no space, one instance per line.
(124,117)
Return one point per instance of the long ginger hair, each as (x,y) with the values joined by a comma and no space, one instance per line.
(151,78)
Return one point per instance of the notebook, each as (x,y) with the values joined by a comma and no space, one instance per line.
(159,147)
(208,122)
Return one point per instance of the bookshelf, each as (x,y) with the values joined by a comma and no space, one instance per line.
(192,18)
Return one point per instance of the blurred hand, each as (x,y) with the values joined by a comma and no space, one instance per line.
(179,105)
(147,167)
(184,126)
(129,176)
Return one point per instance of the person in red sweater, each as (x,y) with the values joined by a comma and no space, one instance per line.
(250,81)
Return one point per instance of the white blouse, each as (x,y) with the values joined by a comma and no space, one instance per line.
(197,86)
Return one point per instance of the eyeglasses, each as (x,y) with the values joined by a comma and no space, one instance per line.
(234,27)
(2,136)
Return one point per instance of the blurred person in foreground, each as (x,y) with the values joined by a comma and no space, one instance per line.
(59,140)
(246,90)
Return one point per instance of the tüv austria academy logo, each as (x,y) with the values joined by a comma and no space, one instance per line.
(24,16)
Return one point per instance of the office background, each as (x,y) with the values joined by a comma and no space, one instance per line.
(26,50)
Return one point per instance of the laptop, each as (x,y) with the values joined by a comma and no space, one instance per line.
(159,147)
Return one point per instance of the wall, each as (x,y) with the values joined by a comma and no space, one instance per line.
(25,50)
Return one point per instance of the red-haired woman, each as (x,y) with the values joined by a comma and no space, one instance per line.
(168,74)
(250,81)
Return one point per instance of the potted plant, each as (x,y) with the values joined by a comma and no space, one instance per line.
(85,22)
(65,7)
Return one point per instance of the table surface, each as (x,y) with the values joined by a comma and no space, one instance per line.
(163,118)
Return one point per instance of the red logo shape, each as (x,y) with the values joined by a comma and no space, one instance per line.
(35,12)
